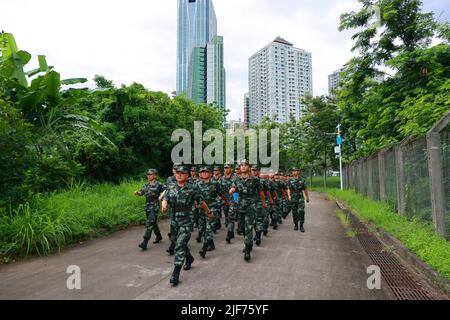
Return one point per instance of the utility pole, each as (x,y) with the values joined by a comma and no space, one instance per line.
(339,141)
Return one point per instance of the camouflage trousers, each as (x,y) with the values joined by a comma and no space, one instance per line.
(266,220)
(226,213)
(205,228)
(196,213)
(240,219)
(152,221)
(298,210)
(276,212)
(247,208)
(285,207)
(180,235)
(260,217)
(233,209)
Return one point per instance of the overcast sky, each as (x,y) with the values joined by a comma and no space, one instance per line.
(135,40)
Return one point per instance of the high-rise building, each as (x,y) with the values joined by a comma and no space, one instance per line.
(333,80)
(279,76)
(200,71)
(246,111)
(215,78)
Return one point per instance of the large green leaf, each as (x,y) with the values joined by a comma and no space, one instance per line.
(73,81)
(53,84)
(13,57)
(42,63)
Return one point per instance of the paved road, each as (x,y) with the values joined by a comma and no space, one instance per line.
(319,264)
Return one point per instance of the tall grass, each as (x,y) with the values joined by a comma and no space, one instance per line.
(48,223)
(416,235)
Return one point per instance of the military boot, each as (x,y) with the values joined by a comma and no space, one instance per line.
(158,238)
(189,260)
(143,244)
(265,232)
(203,251)
(301,227)
(199,237)
(258,238)
(211,246)
(175,275)
(296,226)
(230,235)
(171,249)
(247,256)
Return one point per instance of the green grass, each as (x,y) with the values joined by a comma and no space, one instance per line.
(317,183)
(418,236)
(51,222)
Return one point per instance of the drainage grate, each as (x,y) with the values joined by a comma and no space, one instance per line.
(397,277)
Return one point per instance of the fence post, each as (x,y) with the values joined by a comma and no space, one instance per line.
(370,179)
(436,174)
(381,174)
(400,176)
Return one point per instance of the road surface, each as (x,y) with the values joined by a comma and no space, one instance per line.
(320,264)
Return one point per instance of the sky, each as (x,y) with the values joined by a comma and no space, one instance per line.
(136,40)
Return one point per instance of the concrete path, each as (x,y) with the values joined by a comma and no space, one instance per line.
(319,264)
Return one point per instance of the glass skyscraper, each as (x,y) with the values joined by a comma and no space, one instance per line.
(197,25)
(200,71)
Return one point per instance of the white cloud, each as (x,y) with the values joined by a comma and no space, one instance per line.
(135,40)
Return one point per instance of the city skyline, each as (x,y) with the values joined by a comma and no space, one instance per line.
(148,34)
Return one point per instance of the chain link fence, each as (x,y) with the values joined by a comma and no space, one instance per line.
(413,177)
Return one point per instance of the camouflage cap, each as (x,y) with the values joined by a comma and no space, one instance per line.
(182,168)
(205,169)
(255,167)
(228,165)
(194,168)
(295,169)
(217,168)
(176,165)
(244,161)
(152,171)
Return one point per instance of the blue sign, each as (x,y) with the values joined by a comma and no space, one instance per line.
(339,140)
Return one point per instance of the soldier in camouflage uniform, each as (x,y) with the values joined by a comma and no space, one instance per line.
(181,196)
(170,181)
(260,210)
(273,187)
(266,211)
(297,187)
(230,206)
(286,203)
(218,211)
(195,210)
(210,190)
(249,188)
(151,190)
(239,214)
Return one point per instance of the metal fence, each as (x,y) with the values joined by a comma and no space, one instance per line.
(412,176)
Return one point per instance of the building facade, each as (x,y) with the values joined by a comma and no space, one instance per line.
(200,62)
(280,75)
(246,111)
(333,81)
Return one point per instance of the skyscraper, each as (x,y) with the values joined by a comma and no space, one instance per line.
(279,76)
(333,81)
(200,71)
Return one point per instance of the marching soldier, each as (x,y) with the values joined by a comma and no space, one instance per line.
(217,176)
(171,181)
(260,210)
(230,206)
(248,188)
(210,191)
(297,193)
(195,210)
(151,190)
(181,196)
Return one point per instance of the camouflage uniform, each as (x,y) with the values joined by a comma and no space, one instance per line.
(248,189)
(217,224)
(210,191)
(181,200)
(260,213)
(152,193)
(297,186)
(195,208)
(230,207)
(266,211)
(274,208)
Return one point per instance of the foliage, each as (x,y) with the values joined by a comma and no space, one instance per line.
(52,222)
(408,102)
(416,235)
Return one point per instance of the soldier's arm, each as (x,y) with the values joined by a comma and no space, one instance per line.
(263,198)
(164,202)
(289,194)
(161,196)
(139,193)
(208,212)
(269,196)
(305,191)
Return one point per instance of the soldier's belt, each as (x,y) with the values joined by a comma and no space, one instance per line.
(186,209)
